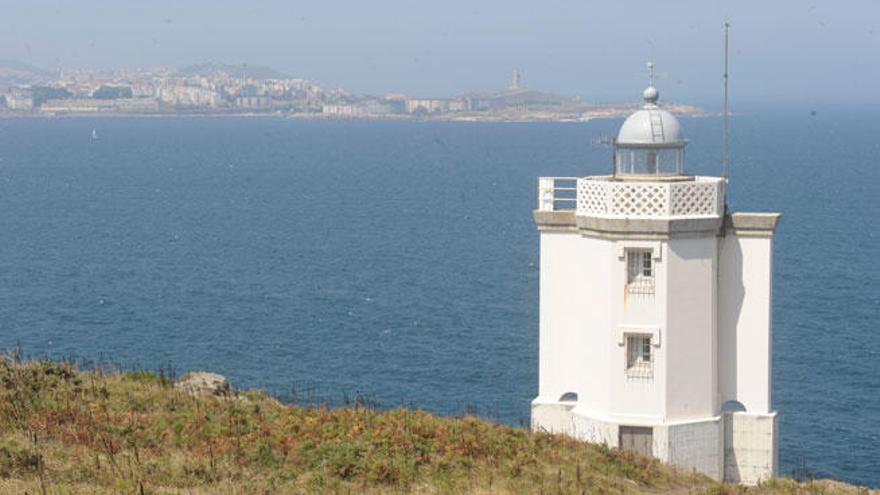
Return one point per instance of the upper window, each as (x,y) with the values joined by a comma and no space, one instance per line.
(639,358)
(640,271)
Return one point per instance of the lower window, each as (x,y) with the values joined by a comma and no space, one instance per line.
(639,356)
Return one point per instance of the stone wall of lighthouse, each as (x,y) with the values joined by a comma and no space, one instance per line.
(650,355)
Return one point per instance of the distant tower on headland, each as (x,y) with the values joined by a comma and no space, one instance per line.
(515,80)
(655,309)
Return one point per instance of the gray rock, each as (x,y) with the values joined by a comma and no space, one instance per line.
(204,383)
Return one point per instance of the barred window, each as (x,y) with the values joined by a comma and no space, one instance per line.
(640,271)
(639,358)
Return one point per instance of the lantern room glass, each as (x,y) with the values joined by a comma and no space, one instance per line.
(648,161)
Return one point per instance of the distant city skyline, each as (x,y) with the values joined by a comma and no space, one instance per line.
(791,52)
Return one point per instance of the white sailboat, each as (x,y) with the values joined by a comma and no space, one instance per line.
(94,134)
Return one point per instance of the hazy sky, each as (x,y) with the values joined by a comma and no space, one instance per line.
(804,51)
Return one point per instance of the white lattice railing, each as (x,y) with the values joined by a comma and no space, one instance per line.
(557,193)
(600,197)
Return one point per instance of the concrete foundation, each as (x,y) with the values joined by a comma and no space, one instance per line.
(695,445)
(750,446)
(737,447)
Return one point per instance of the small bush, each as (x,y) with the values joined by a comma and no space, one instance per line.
(144,377)
(15,460)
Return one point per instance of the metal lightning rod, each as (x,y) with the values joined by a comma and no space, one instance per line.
(724,145)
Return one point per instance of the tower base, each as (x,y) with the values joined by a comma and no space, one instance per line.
(750,446)
(738,447)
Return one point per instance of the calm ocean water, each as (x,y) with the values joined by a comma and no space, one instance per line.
(399,259)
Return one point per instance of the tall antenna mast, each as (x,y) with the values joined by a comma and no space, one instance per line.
(724,146)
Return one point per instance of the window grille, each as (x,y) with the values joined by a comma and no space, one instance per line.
(640,271)
(639,358)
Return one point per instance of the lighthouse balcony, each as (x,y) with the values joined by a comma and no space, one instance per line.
(609,197)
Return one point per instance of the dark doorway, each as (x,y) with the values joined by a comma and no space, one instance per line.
(638,439)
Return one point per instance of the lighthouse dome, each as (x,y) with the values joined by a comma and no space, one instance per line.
(651,124)
(650,141)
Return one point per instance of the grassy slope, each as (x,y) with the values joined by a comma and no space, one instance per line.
(65,431)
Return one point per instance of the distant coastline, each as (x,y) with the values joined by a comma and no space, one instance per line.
(600,112)
(222,90)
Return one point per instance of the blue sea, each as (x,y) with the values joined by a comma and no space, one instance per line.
(398,260)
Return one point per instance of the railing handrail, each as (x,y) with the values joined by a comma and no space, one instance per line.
(700,197)
(697,198)
(547,190)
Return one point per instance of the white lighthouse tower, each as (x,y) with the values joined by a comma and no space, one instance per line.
(655,309)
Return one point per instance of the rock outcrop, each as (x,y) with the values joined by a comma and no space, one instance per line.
(204,383)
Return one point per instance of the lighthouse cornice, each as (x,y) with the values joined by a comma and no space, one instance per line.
(646,228)
(752,224)
(624,228)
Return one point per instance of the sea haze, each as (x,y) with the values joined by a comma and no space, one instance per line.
(399,259)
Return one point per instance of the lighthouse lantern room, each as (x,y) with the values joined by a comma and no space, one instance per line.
(655,309)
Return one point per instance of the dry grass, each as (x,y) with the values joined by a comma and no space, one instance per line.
(68,431)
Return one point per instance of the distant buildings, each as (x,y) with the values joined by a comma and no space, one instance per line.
(92,105)
(188,96)
(216,88)
(253,102)
(222,89)
(362,109)
(143,90)
(162,90)
(19,99)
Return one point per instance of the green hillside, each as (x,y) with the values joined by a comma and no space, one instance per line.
(69,431)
